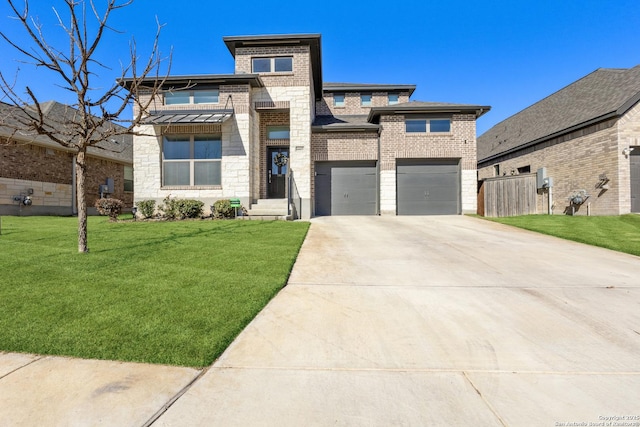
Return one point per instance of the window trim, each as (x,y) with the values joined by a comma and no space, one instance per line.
(427,125)
(192,100)
(272,64)
(335,102)
(191,160)
(397,101)
(125,180)
(280,128)
(362,101)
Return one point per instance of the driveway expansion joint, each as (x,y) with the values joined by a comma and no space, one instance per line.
(21,367)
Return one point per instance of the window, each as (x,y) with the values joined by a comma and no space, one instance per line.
(393,98)
(365,100)
(189,160)
(524,169)
(128,179)
(210,96)
(338,99)
(496,170)
(278,132)
(282,64)
(427,125)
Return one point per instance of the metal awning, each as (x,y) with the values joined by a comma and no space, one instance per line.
(189,117)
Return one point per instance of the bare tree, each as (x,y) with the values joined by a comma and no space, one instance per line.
(96,113)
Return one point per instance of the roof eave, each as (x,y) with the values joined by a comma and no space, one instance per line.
(206,79)
(478,110)
(370,88)
(565,131)
(343,128)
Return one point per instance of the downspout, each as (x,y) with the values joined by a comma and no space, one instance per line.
(74,207)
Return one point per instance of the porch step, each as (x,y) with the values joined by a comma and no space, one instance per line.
(269,209)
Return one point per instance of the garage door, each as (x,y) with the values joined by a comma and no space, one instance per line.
(346,188)
(634,158)
(428,186)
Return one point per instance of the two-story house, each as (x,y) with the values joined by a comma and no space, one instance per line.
(273,133)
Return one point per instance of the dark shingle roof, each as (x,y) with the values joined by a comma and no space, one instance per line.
(602,94)
(119,148)
(343,123)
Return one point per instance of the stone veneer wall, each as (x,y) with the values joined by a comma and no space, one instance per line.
(576,160)
(352,106)
(460,143)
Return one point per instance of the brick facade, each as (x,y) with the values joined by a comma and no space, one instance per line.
(352,103)
(576,161)
(49,172)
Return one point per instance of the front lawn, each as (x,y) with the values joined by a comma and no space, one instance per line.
(160,292)
(620,233)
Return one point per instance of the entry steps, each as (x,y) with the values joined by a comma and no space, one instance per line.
(269,209)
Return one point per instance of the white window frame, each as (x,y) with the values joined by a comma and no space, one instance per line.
(364,103)
(337,103)
(427,125)
(396,101)
(191,160)
(128,170)
(192,97)
(272,64)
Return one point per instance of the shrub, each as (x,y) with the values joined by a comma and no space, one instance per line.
(182,208)
(222,209)
(146,208)
(109,206)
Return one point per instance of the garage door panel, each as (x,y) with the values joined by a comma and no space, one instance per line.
(346,188)
(428,187)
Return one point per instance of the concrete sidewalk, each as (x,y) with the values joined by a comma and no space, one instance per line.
(388,321)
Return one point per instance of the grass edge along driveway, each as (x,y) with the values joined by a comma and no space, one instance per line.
(619,233)
(170,293)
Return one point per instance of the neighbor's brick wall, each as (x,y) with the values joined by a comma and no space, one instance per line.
(628,136)
(352,106)
(574,161)
(49,167)
(460,143)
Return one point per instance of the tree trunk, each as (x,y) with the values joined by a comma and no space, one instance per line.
(81,167)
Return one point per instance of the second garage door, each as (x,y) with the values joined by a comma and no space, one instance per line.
(428,186)
(346,188)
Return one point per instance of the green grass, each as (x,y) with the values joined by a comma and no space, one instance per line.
(620,233)
(159,292)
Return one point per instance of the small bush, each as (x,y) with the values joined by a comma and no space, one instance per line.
(146,208)
(222,209)
(109,206)
(182,208)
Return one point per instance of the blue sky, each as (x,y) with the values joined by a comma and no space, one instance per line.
(507,54)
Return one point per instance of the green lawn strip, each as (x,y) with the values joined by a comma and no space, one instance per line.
(620,233)
(159,292)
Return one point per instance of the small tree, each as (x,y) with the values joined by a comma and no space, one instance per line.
(96,111)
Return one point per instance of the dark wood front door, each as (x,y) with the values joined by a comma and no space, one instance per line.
(277,164)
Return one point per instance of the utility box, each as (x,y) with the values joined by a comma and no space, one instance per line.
(110,185)
(541,175)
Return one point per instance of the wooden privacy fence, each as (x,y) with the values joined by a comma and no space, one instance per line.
(508,196)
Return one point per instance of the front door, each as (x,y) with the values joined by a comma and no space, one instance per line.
(277,164)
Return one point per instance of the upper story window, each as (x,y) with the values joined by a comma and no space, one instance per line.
(279,64)
(393,98)
(427,125)
(189,160)
(365,100)
(128,179)
(211,96)
(278,132)
(338,99)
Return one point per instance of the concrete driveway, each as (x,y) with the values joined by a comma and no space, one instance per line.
(433,321)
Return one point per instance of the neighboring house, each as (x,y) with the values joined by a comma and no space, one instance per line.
(43,170)
(586,135)
(274,129)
